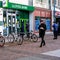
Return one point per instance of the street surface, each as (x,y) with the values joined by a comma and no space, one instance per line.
(31,51)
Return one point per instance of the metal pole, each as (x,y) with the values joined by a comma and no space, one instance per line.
(54,10)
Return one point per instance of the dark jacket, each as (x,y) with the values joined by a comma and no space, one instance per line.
(42,31)
(22,30)
(55,27)
(27,27)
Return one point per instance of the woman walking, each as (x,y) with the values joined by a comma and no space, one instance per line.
(42,29)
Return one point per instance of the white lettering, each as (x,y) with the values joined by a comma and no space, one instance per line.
(19,6)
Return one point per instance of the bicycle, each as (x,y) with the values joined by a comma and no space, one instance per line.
(13,37)
(2,40)
(31,36)
(18,39)
(10,38)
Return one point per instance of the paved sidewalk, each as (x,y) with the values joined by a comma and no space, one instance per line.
(30,50)
(32,58)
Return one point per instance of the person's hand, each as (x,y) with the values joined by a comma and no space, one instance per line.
(42,28)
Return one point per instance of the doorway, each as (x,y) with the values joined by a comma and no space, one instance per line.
(23,24)
(11,23)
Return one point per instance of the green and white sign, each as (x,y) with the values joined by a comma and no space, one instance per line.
(20,7)
(10,5)
(5,3)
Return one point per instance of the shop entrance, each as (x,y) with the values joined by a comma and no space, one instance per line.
(23,24)
(11,23)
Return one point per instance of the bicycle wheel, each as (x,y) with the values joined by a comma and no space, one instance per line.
(2,41)
(25,37)
(34,38)
(10,38)
(19,40)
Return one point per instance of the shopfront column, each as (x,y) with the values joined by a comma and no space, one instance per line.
(31,21)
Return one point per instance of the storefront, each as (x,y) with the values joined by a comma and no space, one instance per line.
(13,17)
(42,14)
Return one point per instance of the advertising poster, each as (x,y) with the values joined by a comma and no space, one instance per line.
(48,24)
(37,23)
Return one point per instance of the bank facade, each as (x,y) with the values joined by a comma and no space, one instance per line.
(13,16)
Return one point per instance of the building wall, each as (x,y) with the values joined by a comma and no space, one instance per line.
(43,4)
(56,8)
(31,21)
(42,12)
(25,2)
(57,2)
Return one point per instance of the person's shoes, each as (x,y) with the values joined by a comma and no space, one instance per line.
(43,44)
(40,45)
(54,38)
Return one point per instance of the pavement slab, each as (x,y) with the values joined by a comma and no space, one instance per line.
(31,58)
(53,53)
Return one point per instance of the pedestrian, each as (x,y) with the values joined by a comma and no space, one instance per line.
(22,29)
(27,29)
(55,30)
(42,29)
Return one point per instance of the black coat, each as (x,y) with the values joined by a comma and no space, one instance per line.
(42,31)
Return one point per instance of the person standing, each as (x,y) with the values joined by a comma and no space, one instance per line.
(22,29)
(27,29)
(55,30)
(42,29)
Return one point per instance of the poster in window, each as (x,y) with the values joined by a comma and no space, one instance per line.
(48,24)
(37,23)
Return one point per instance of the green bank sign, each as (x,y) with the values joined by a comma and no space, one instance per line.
(10,5)
(20,7)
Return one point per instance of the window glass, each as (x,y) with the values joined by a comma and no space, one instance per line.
(4,23)
(37,22)
(58,2)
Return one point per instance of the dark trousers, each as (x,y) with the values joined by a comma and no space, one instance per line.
(28,33)
(39,34)
(55,34)
(42,41)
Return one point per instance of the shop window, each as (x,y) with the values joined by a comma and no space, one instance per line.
(4,18)
(37,22)
(11,11)
(1,23)
(4,23)
(31,2)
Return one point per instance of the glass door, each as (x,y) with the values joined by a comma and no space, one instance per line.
(11,23)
